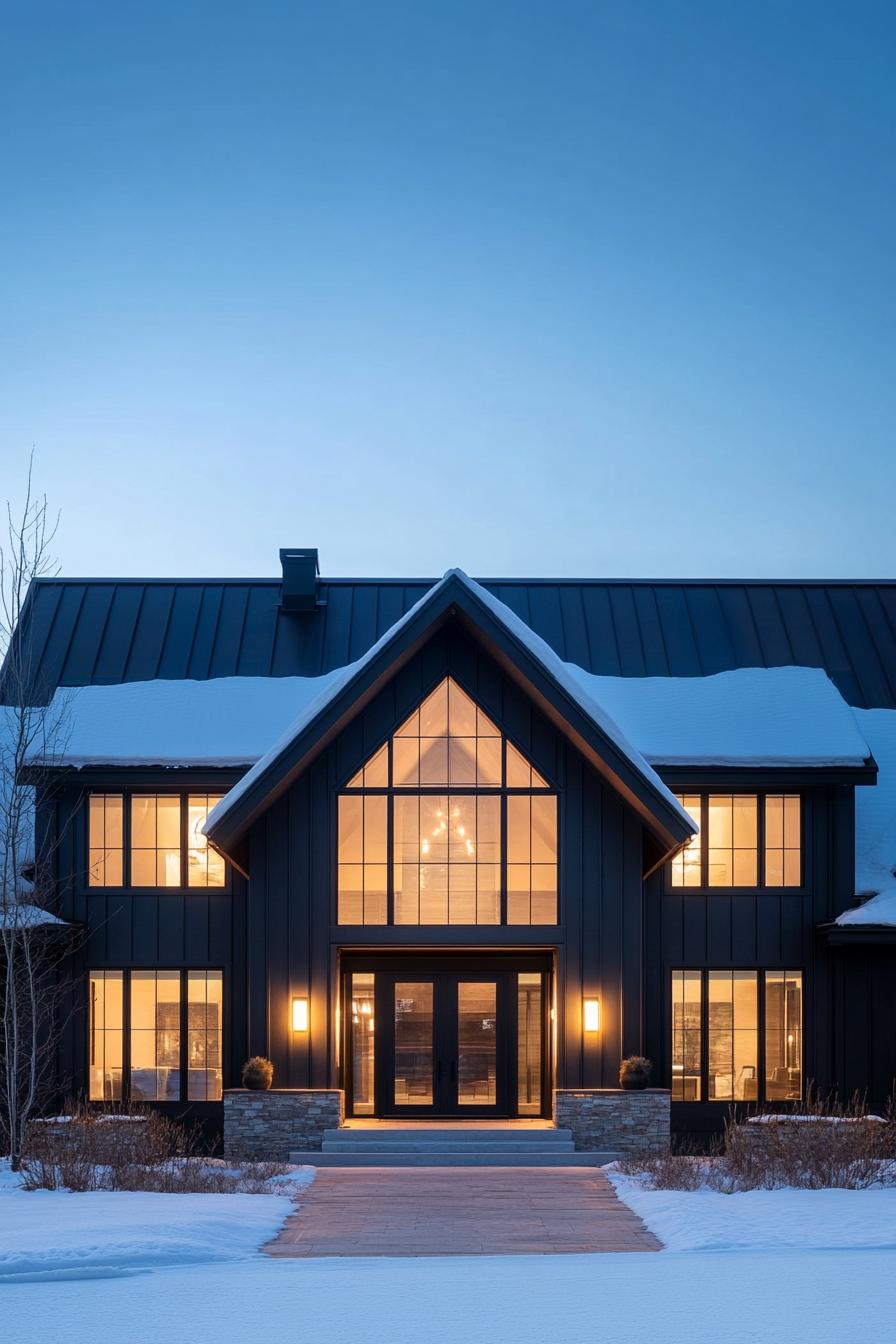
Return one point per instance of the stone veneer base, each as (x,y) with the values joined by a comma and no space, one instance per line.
(268,1126)
(614,1120)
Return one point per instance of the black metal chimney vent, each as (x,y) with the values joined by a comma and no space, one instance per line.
(300,571)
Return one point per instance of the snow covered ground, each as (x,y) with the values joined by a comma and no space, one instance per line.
(52,1233)
(738,1268)
(765,1220)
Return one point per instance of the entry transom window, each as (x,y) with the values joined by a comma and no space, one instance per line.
(746,840)
(447,823)
(737,1035)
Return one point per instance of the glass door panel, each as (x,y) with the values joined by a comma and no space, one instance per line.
(363,1043)
(413,1074)
(529,1043)
(477,1019)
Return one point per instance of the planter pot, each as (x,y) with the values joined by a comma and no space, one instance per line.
(257,1085)
(633,1082)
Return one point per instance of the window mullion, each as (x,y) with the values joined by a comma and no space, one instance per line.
(184,1023)
(704,840)
(503,814)
(390,859)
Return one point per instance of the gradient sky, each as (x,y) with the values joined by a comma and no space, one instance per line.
(530,288)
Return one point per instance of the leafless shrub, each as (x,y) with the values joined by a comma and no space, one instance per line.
(822,1145)
(683,1169)
(134,1150)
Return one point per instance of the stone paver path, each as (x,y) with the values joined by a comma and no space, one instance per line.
(460,1211)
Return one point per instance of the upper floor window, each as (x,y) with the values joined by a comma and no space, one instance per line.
(447,823)
(151,840)
(745,840)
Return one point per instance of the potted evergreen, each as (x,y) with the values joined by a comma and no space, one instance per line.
(634,1073)
(258,1074)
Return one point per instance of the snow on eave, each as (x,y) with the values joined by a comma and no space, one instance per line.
(22,916)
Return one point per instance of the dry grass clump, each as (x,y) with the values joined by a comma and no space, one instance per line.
(822,1145)
(134,1150)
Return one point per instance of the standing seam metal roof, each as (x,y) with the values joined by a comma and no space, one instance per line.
(106,631)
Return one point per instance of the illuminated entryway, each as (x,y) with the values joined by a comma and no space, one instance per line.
(462,1037)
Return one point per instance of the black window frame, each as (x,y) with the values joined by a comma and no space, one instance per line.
(703,888)
(184,972)
(126,886)
(760,972)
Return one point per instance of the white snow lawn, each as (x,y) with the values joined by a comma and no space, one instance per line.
(773,1265)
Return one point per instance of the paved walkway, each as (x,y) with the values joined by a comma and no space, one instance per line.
(460,1211)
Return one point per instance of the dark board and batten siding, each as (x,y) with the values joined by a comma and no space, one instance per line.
(101,632)
(191,929)
(294,942)
(760,931)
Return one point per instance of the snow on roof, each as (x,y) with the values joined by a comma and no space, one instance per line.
(876,825)
(18,915)
(225,721)
(755,716)
(534,644)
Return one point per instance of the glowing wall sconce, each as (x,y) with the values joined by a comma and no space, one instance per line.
(300,1014)
(591,1014)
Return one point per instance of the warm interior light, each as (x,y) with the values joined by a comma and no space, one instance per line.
(591,1014)
(300,1014)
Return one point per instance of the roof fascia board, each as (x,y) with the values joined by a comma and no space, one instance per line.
(753,777)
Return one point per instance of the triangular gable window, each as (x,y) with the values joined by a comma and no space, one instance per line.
(448,742)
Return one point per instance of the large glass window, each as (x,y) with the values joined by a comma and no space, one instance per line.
(687,1035)
(173,1017)
(736,1035)
(363,853)
(783,1035)
(155,1036)
(441,794)
(447,859)
(105,1035)
(205,867)
(140,840)
(783,840)
(746,840)
(106,840)
(205,1010)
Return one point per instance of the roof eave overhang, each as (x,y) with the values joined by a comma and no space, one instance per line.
(451,601)
(799,775)
(857,935)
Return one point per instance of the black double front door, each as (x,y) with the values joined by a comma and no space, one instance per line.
(446,1043)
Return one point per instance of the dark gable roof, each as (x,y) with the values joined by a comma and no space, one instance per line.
(534,667)
(104,631)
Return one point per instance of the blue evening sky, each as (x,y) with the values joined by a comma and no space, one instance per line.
(549,288)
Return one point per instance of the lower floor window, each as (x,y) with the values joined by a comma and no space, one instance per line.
(155,1035)
(737,1035)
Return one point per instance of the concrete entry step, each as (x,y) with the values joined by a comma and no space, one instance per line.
(459,1133)
(440,1157)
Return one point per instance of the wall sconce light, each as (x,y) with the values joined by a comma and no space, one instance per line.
(300,1014)
(591,1014)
